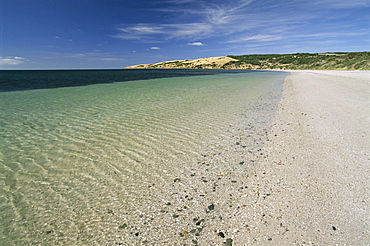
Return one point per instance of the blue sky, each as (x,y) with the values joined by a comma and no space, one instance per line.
(62,34)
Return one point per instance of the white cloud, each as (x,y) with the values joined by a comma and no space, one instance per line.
(155,48)
(162,32)
(15,60)
(196,44)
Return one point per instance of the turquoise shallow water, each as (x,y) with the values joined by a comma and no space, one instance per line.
(79,163)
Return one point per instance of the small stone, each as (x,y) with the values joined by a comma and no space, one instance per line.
(123,226)
(334,228)
(229,242)
(241,163)
(176,180)
(211,207)
(221,234)
(199,222)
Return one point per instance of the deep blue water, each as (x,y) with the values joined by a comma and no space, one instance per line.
(17,80)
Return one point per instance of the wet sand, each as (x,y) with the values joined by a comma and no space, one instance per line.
(313,185)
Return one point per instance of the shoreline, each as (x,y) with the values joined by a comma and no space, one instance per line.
(279,160)
(313,185)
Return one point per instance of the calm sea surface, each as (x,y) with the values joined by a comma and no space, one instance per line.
(84,152)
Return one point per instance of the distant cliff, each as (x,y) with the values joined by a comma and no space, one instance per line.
(298,61)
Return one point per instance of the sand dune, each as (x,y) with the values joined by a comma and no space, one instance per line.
(209,62)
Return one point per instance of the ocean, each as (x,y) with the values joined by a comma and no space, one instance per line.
(111,157)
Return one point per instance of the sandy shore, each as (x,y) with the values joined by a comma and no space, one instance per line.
(313,185)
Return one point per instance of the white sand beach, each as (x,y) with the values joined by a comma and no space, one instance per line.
(313,186)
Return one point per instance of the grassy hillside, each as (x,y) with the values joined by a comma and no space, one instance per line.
(322,61)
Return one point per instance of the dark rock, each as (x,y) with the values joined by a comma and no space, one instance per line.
(334,228)
(176,180)
(199,222)
(221,234)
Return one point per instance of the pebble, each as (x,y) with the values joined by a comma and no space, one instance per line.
(229,242)
(123,226)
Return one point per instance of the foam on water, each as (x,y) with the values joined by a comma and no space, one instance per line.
(80,164)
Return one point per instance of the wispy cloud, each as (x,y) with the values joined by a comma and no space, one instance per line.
(240,21)
(342,3)
(11,60)
(259,38)
(156,33)
(155,48)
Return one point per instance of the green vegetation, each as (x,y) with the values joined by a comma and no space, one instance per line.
(316,61)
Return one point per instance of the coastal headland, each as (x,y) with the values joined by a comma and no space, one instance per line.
(297,61)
